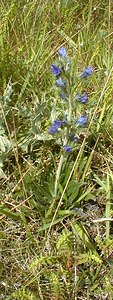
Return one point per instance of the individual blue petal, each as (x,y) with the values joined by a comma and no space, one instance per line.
(53,129)
(82,98)
(87,72)
(62,52)
(55,70)
(67,148)
(60,83)
(82,121)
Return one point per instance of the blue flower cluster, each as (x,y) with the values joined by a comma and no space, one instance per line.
(62,81)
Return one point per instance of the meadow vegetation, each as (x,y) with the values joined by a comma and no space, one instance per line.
(56,233)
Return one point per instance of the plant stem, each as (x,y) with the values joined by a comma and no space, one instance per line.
(69,110)
(65,142)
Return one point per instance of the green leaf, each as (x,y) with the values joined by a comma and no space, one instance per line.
(7,212)
(2,174)
(43,137)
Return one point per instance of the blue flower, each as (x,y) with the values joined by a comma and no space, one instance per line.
(60,82)
(82,121)
(87,72)
(67,148)
(83,98)
(53,129)
(62,52)
(55,70)
(55,126)
(59,123)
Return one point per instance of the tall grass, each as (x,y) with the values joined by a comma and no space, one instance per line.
(62,249)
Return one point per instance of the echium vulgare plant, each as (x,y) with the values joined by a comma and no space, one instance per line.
(69,112)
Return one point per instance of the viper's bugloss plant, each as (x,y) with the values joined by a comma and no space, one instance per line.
(69,113)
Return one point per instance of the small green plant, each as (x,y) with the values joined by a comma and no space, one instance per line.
(69,110)
(21,294)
